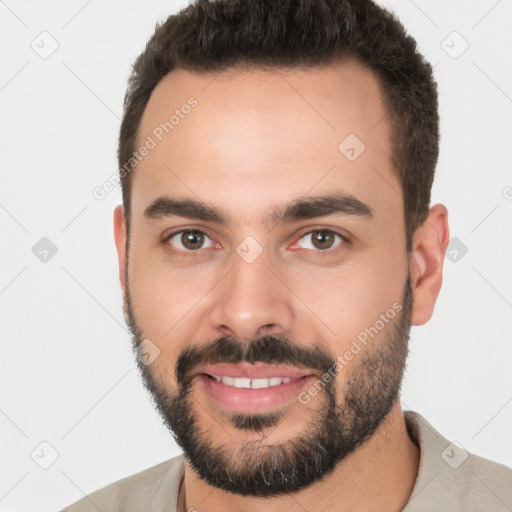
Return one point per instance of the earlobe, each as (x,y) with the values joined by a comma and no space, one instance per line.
(120,240)
(426,264)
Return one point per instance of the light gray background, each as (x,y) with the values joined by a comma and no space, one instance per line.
(67,372)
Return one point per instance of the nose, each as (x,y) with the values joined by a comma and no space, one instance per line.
(251,301)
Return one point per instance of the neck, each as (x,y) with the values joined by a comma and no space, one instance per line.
(379,475)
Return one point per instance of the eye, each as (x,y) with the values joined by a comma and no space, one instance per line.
(189,240)
(321,240)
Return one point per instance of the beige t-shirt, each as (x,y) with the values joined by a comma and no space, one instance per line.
(449,478)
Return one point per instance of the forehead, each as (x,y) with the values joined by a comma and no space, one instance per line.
(252,138)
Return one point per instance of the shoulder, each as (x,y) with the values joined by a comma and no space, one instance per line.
(142,491)
(451,478)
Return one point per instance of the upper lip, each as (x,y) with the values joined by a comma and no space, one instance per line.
(249,371)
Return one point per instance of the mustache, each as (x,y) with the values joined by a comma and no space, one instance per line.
(267,349)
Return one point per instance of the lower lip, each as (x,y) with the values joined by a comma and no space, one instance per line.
(251,401)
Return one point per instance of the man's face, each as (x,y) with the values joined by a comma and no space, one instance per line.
(288,296)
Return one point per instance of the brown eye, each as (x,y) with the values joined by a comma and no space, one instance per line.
(189,240)
(322,239)
(192,240)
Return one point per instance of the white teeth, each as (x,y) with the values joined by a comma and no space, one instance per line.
(259,383)
(243,382)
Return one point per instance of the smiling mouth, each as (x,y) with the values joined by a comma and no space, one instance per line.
(244,382)
(260,394)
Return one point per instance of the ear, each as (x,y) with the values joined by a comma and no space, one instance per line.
(426,264)
(120,238)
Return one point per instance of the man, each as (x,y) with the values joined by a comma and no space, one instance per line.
(276,243)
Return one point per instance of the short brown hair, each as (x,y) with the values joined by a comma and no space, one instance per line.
(216,35)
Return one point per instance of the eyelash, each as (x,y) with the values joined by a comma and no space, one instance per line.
(187,254)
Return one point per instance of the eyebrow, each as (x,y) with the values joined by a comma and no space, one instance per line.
(303,208)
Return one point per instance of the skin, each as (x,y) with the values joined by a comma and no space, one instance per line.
(256,140)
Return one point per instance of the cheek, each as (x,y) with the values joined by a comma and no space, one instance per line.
(344,302)
(164,299)
(163,307)
(172,305)
(344,307)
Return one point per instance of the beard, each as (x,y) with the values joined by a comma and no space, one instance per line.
(341,425)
